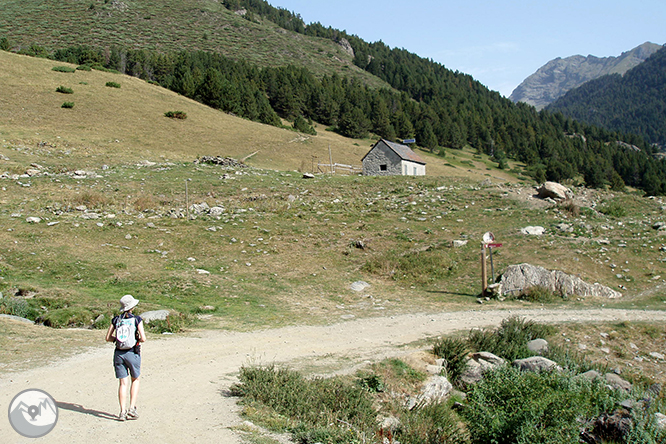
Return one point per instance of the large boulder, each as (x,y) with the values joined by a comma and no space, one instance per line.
(538,346)
(554,190)
(520,277)
(155,315)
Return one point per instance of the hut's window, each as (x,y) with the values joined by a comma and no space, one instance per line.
(383,167)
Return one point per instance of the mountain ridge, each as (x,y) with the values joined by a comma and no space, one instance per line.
(560,75)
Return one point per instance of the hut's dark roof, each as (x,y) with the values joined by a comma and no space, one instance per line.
(403,151)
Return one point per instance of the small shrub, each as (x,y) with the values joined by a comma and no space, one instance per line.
(16,307)
(113,84)
(431,424)
(454,352)
(172,324)
(68,69)
(613,209)
(510,339)
(64,90)
(67,105)
(84,68)
(538,294)
(570,207)
(176,115)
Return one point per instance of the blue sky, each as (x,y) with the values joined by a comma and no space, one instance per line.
(499,43)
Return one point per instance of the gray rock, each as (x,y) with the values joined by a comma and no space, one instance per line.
(523,276)
(436,389)
(565,228)
(554,190)
(660,419)
(659,226)
(33,220)
(536,364)
(538,346)
(458,243)
(590,375)
(477,365)
(656,355)
(16,318)
(616,382)
(155,315)
(198,209)
(359,286)
(533,231)
(216,212)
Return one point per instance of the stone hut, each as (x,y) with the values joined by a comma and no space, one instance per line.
(387,158)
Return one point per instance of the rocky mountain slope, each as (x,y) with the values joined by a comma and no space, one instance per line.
(561,75)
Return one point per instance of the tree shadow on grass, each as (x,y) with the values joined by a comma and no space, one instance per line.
(80,409)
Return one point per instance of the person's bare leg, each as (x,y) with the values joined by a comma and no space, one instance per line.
(122,392)
(134,392)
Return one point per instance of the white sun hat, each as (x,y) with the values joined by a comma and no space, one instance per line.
(128,302)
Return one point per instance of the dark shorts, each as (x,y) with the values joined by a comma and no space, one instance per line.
(126,362)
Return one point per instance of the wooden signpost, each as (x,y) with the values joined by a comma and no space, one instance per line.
(488,243)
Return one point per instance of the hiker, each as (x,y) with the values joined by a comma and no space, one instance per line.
(126,330)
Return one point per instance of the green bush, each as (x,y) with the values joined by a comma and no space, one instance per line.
(613,209)
(84,68)
(510,339)
(509,406)
(176,115)
(64,90)
(68,69)
(333,410)
(539,294)
(113,84)
(68,317)
(454,352)
(431,424)
(67,105)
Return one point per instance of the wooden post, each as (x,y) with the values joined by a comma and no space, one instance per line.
(187,201)
(330,158)
(484,275)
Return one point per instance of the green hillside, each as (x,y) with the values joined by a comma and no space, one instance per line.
(426,101)
(168,26)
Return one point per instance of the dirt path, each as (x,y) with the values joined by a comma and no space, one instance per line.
(184,378)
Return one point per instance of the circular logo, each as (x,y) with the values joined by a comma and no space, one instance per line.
(33,413)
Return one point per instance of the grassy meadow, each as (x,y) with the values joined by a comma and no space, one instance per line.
(285,249)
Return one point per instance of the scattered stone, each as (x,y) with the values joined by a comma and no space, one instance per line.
(659,226)
(536,364)
(533,231)
(538,346)
(478,364)
(308,176)
(216,212)
(590,375)
(614,381)
(660,419)
(458,243)
(33,220)
(656,355)
(359,286)
(436,389)
(566,228)
(202,271)
(221,161)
